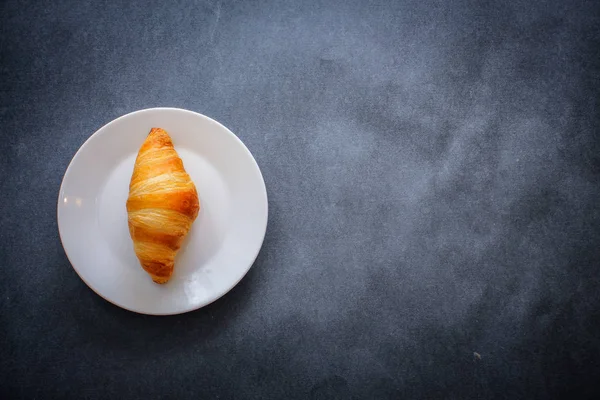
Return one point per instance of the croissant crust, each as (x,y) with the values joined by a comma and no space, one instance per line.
(162,205)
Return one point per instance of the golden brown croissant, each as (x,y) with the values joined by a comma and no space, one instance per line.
(162,205)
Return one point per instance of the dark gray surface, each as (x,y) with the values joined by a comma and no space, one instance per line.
(433,172)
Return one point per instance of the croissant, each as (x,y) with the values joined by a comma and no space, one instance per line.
(162,205)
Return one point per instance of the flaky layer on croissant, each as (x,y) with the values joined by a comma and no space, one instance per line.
(162,205)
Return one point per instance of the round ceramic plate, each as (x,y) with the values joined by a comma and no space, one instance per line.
(219,249)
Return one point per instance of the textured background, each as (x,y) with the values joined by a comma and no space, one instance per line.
(433,170)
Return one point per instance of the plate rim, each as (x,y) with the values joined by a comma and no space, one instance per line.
(141,111)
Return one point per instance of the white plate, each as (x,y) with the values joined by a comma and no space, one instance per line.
(223,242)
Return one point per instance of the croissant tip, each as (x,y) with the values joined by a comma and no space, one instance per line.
(160,281)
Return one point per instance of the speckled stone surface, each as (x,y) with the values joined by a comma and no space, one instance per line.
(433,170)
